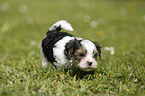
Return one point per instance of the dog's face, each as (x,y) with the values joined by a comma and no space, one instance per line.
(86,54)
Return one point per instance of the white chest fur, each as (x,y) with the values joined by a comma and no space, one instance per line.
(58,53)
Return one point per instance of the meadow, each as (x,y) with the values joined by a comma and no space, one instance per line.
(118,24)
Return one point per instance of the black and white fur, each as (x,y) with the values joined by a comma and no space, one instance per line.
(66,51)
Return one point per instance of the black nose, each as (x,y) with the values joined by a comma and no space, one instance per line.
(89,63)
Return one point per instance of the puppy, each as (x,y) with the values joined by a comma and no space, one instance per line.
(68,52)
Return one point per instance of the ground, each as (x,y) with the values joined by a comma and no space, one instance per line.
(118,24)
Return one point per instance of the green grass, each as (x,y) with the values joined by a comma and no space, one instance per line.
(21,33)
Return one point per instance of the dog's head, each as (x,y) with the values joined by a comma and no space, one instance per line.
(85,53)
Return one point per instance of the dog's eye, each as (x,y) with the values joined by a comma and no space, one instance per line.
(80,55)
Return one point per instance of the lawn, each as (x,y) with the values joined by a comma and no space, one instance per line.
(119,24)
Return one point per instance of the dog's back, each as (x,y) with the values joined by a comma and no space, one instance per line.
(50,42)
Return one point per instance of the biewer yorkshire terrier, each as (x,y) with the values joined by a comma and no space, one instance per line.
(67,52)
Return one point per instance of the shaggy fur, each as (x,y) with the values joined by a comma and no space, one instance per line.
(68,52)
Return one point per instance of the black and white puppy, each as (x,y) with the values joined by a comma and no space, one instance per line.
(68,52)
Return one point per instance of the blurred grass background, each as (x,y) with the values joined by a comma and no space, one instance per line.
(120,24)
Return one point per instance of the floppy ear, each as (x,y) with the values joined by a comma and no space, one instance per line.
(71,47)
(98,48)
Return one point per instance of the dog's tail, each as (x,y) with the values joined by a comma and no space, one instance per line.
(62,24)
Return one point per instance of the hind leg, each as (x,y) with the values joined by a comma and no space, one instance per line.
(44,60)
